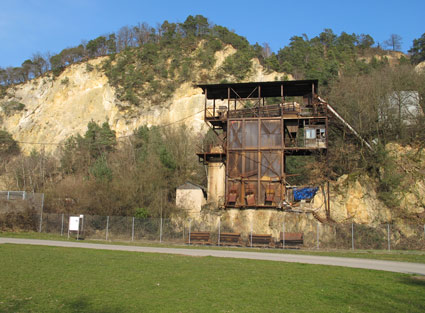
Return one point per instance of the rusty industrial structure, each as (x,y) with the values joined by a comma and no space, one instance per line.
(259,125)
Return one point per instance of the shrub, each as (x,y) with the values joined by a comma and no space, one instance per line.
(11,107)
(65,81)
(89,67)
(141,213)
(8,146)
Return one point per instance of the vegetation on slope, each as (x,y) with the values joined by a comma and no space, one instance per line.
(148,64)
(99,175)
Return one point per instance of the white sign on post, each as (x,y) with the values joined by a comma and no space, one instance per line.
(74,223)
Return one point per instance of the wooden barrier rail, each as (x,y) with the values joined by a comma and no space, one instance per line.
(261,240)
(291,239)
(230,239)
(202,238)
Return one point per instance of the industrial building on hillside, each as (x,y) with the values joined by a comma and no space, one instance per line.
(259,124)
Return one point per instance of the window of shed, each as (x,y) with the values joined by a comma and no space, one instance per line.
(310,133)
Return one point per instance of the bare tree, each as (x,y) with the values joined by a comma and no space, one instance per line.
(126,38)
(142,33)
(266,50)
(394,42)
(40,64)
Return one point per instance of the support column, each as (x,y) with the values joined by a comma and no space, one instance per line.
(216,183)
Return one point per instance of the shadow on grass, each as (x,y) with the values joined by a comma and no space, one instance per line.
(15,305)
(414,280)
(83,304)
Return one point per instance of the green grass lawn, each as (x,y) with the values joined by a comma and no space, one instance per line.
(394,255)
(53,279)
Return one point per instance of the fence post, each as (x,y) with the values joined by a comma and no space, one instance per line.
(8,195)
(190,222)
(107,227)
(41,214)
(251,234)
(132,230)
(283,235)
(352,236)
(160,225)
(389,240)
(160,230)
(219,226)
(62,225)
(317,235)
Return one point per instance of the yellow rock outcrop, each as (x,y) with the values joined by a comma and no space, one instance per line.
(56,108)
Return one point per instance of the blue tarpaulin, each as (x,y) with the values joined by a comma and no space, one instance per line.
(304,193)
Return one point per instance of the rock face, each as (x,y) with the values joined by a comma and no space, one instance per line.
(353,199)
(420,67)
(58,108)
(393,57)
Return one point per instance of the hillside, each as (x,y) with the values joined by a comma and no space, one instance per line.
(84,124)
(54,108)
(145,76)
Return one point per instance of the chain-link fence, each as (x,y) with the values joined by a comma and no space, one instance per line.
(19,201)
(24,211)
(18,208)
(117,228)
(315,235)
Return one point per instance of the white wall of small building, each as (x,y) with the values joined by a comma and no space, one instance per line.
(190,200)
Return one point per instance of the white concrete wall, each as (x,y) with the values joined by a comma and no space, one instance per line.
(190,200)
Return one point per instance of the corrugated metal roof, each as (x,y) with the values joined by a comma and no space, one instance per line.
(291,88)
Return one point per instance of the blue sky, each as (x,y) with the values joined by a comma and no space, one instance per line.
(29,26)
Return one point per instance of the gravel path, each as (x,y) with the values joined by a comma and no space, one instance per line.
(391,266)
